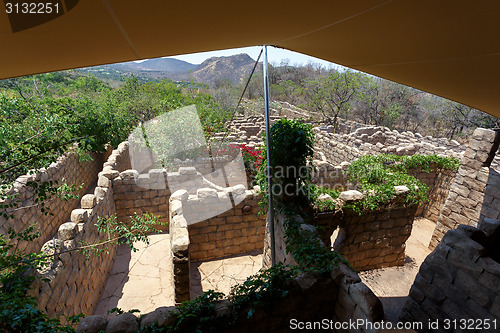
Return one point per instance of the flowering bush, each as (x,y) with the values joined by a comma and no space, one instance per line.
(251,157)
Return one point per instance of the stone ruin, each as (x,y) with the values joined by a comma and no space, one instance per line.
(468,197)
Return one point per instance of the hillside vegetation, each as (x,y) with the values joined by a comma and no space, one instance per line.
(41,116)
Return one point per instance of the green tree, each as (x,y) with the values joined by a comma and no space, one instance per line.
(333,94)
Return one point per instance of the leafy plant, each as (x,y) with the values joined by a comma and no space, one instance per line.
(290,150)
(198,315)
(260,288)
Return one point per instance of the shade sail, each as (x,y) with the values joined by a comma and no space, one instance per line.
(448,48)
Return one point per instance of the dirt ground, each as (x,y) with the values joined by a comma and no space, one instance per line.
(392,285)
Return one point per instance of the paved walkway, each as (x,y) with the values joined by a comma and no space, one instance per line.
(220,275)
(393,284)
(140,280)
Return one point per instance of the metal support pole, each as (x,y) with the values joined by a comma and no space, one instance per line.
(269,182)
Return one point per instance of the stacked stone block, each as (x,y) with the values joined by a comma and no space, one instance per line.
(309,298)
(376,239)
(210,225)
(379,140)
(27,213)
(138,194)
(475,192)
(76,281)
(342,297)
(457,282)
(235,231)
(179,239)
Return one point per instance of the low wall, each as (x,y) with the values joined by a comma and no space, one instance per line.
(209,225)
(458,282)
(347,297)
(377,140)
(76,281)
(236,231)
(375,239)
(475,192)
(28,212)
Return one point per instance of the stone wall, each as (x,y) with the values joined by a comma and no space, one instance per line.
(76,281)
(438,181)
(309,298)
(150,192)
(211,224)
(347,297)
(236,231)
(475,192)
(338,148)
(375,239)
(28,212)
(459,281)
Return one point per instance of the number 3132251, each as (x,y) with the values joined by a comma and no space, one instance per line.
(32,8)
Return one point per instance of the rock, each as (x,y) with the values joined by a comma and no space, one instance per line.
(160,316)
(129,175)
(92,324)
(489,226)
(100,193)
(103,182)
(88,200)
(401,189)
(52,246)
(324,197)
(109,172)
(124,323)
(187,171)
(351,195)
(180,242)
(67,231)
(79,215)
(482,134)
(205,193)
(181,195)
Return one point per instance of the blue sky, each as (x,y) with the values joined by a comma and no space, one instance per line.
(275,56)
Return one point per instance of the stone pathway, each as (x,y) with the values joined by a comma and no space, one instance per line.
(222,274)
(392,285)
(140,280)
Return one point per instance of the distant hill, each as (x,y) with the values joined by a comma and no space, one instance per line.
(161,65)
(234,68)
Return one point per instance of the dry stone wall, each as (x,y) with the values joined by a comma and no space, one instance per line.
(376,239)
(438,181)
(343,296)
(309,298)
(75,281)
(459,282)
(66,167)
(338,148)
(236,231)
(475,192)
(233,227)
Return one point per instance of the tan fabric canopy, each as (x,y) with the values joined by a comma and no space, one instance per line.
(447,47)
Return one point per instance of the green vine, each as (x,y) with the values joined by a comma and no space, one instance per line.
(376,176)
(306,247)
